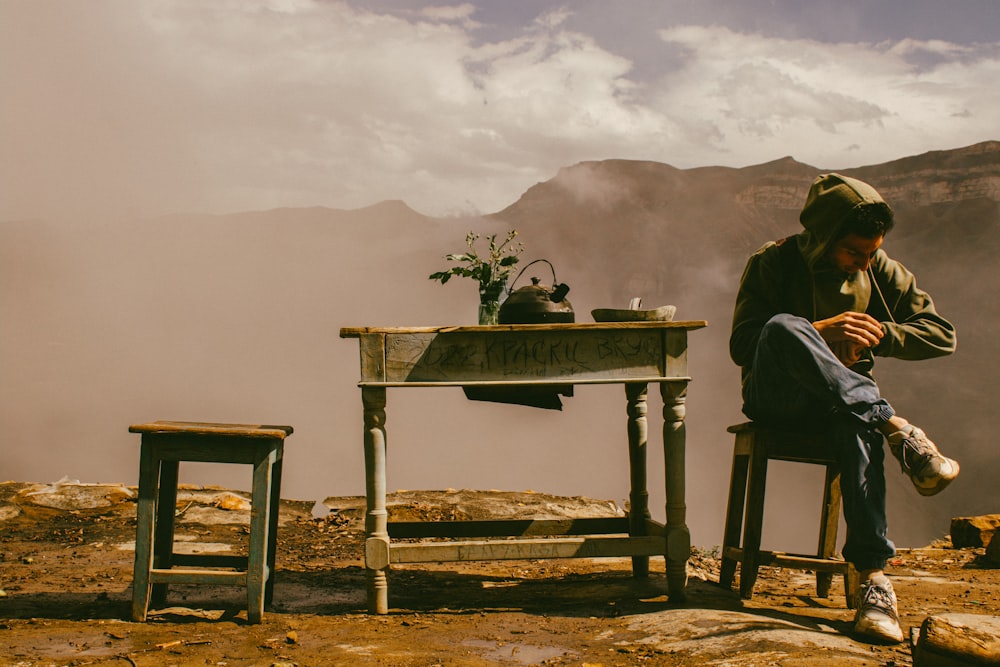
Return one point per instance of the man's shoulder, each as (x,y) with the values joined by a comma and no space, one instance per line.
(782,252)
(888,271)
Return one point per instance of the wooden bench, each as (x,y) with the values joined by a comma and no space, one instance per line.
(164,445)
(754,447)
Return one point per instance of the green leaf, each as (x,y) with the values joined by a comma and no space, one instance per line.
(491,271)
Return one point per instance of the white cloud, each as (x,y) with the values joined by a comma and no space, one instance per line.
(817,101)
(187,105)
(462,13)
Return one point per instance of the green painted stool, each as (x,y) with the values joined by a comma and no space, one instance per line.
(164,445)
(755,446)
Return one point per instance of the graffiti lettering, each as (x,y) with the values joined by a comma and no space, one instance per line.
(534,356)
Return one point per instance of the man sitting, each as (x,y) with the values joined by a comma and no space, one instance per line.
(812,312)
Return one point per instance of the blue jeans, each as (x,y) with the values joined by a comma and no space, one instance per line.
(797,381)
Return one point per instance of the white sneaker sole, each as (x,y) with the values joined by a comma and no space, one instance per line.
(933,485)
(881,629)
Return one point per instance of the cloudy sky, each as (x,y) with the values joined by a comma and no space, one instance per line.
(124,108)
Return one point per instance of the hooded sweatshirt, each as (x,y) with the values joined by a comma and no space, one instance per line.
(791,276)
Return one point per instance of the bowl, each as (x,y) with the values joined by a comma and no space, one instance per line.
(661,314)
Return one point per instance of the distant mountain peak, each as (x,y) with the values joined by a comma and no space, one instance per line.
(618,164)
(394,206)
(783,164)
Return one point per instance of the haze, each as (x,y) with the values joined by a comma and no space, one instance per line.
(132,133)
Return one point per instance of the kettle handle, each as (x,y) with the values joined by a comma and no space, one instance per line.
(558,291)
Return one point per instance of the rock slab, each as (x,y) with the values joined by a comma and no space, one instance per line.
(973,531)
(993,552)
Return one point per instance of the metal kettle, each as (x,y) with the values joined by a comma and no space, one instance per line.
(537,303)
(531,304)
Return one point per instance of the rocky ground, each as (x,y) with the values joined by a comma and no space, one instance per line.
(66,568)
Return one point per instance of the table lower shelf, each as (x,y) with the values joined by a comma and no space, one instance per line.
(519,549)
(516,539)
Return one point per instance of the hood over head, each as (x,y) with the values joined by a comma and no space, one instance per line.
(830,202)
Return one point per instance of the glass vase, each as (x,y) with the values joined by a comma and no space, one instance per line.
(489,312)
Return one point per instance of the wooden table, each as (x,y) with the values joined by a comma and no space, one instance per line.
(531,355)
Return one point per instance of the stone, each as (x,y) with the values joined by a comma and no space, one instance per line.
(993,552)
(70,494)
(973,531)
(8,511)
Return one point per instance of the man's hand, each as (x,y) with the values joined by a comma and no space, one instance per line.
(846,352)
(849,334)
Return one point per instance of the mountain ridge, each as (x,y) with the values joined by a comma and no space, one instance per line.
(237,321)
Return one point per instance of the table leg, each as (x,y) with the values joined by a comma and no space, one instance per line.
(376,516)
(678,535)
(638,513)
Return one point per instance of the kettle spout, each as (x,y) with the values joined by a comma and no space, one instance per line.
(559,292)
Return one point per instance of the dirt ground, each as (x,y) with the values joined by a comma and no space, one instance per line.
(66,568)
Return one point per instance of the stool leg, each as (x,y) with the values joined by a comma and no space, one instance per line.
(163,539)
(852,582)
(274,504)
(828,527)
(144,528)
(754,519)
(260,521)
(734,517)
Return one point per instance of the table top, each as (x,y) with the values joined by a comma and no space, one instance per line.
(564,353)
(357,332)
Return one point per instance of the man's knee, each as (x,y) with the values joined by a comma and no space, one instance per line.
(783,329)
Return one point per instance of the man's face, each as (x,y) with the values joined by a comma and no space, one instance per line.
(853,253)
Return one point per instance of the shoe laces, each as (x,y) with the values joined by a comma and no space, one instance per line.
(880,598)
(915,452)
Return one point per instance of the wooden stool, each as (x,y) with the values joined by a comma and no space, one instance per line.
(164,446)
(755,446)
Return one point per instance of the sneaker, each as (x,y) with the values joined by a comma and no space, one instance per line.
(877,617)
(929,471)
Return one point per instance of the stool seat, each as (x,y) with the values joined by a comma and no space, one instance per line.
(164,445)
(754,446)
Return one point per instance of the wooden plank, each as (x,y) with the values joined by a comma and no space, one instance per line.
(520,383)
(203,428)
(794,561)
(580,547)
(211,449)
(803,562)
(209,560)
(953,640)
(786,444)
(655,528)
(217,577)
(356,332)
(675,347)
(373,357)
(533,356)
(508,527)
